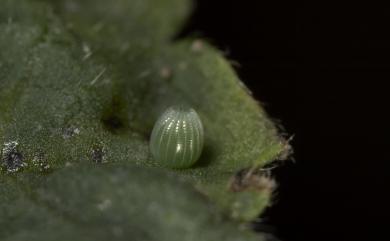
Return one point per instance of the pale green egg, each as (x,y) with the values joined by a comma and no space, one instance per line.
(177,137)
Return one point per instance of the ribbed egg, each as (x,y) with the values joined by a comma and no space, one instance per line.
(177,137)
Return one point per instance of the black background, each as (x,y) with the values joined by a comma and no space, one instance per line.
(323,72)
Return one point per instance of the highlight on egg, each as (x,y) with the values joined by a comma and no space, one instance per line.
(177,138)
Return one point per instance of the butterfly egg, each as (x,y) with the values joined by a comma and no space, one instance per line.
(177,138)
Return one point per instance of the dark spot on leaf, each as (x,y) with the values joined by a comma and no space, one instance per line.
(11,158)
(97,154)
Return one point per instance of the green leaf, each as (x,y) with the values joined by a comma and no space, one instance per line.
(111,203)
(89,85)
(147,21)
